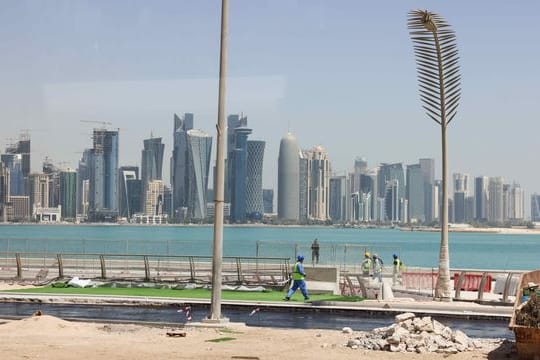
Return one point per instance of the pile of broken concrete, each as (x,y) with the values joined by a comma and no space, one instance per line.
(414,334)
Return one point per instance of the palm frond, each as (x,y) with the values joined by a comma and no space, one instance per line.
(437,63)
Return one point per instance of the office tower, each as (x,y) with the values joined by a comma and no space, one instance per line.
(392,201)
(129,192)
(179,162)
(513,202)
(339,197)
(388,172)
(17,159)
(481,197)
(4,191)
(288,202)
(437,200)
(83,175)
(303,185)
(415,194)
(469,209)
(318,182)
(239,175)
(199,152)
(268,201)
(68,194)
(38,184)
(461,183)
(54,182)
(360,165)
(152,160)
(535,207)
(14,164)
(428,171)
(168,201)
(369,185)
(254,192)
(103,192)
(233,122)
(495,203)
(153,198)
(459,207)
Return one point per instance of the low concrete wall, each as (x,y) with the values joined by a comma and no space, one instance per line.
(323,279)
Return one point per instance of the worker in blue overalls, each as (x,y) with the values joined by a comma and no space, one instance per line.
(298,276)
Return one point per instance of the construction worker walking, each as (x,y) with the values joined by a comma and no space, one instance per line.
(366,264)
(298,276)
(377,267)
(396,271)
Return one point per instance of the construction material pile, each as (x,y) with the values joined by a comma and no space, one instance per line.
(528,314)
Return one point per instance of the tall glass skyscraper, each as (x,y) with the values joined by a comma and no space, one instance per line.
(233,122)
(254,191)
(199,153)
(130,192)
(152,160)
(103,199)
(68,193)
(179,161)
(415,194)
(239,175)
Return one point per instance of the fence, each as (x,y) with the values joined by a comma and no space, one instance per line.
(42,267)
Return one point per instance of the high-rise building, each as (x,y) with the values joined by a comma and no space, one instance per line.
(369,187)
(233,122)
(303,184)
(17,159)
(360,165)
(461,183)
(481,197)
(103,196)
(68,194)
(318,183)
(288,202)
(254,191)
(19,209)
(388,172)
(428,170)
(268,201)
(130,191)
(83,176)
(239,175)
(415,194)
(199,152)
(53,173)
(392,201)
(153,199)
(513,202)
(535,207)
(152,160)
(4,191)
(495,203)
(179,162)
(339,197)
(39,190)
(460,205)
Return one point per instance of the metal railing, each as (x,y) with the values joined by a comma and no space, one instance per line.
(42,267)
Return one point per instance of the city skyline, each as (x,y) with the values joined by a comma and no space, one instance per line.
(324,72)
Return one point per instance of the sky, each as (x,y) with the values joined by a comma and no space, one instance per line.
(336,73)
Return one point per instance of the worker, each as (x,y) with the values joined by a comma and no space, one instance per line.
(366,264)
(396,271)
(298,276)
(377,267)
(315,252)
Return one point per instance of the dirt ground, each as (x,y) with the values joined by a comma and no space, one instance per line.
(47,337)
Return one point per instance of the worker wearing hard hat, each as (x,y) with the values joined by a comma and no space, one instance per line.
(366,264)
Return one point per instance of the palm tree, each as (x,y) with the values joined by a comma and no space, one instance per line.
(439,79)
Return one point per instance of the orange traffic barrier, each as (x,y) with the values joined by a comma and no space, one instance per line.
(419,280)
(471,282)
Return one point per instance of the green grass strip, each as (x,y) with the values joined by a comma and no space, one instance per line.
(184,294)
(221,339)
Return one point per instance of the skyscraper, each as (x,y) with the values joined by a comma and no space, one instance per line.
(513,201)
(415,194)
(288,179)
(303,180)
(254,191)
(369,189)
(4,191)
(17,159)
(83,177)
(318,183)
(199,152)
(103,197)
(153,198)
(461,193)
(428,171)
(233,122)
(152,160)
(179,161)
(68,193)
(535,207)
(239,176)
(39,190)
(495,202)
(481,197)
(268,201)
(338,198)
(130,191)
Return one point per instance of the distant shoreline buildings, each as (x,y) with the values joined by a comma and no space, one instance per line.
(308,190)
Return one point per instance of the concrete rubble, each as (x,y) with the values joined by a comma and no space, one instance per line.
(415,334)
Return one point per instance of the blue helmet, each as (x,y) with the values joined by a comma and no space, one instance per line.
(395,256)
(300,258)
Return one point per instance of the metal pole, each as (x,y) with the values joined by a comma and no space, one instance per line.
(215,310)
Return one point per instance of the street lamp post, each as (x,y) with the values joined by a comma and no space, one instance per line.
(219,197)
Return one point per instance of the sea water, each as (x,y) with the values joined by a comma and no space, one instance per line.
(337,245)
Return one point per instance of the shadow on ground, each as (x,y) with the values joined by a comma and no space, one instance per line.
(507,350)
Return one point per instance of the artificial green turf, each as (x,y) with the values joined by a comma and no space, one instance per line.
(186,294)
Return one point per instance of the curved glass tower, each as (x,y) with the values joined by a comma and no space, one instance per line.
(199,152)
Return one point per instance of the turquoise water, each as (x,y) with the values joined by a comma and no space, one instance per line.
(467,250)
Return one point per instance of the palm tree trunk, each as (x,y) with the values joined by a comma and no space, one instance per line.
(442,289)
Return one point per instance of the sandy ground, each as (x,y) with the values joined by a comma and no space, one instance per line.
(47,337)
(7,285)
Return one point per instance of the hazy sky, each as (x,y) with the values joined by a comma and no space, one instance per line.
(336,73)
